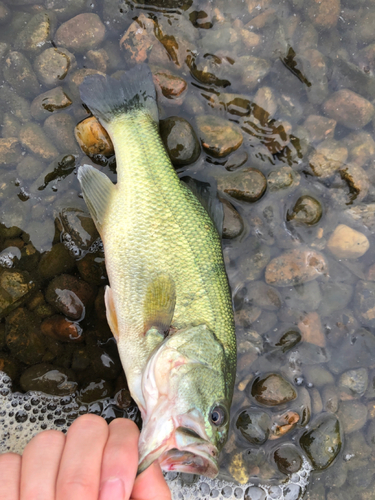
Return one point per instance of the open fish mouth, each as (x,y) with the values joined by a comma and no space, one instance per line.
(183,451)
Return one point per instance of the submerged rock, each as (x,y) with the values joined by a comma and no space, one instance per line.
(37,32)
(347,243)
(349,109)
(232,223)
(322,442)
(81,33)
(272,390)
(245,185)
(288,459)
(10,151)
(34,139)
(364,302)
(48,379)
(254,425)
(53,65)
(307,210)
(15,288)
(48,102)
(295,267)
(219,137)
(93,138)
(179,140)
(19,74)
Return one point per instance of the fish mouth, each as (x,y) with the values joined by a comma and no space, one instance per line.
(183,451)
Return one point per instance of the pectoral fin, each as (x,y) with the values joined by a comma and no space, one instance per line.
(111,312)
(97,191)
(159,305)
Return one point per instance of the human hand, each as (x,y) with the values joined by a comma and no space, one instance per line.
(93,461)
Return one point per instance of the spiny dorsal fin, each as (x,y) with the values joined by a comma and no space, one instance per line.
(207,195)
(159,304)
(97,191)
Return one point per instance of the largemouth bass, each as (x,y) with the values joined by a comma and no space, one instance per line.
(169,304)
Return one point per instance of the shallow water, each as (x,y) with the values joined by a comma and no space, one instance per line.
(290,86)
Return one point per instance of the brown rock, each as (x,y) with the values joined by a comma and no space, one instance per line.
(347,243)
(53,64)
(311,329)
(139,38)
(273,390)
(77,78)
(320,127)
(59,127)
(329,156)
(19,74)
(93,138)
(232,224)
(170,85)
(283,424)
(361,147)
(34,139)
(324,13)
(10,151)
(349,109)
(48,102)
(59,328)
(219,137)
(70,296)
(246,185)
(81,33)
(357,181)
(98,59)
(295,267)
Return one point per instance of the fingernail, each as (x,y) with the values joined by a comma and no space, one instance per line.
(112,489)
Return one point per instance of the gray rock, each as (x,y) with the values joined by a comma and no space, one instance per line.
(37,33)
(364,302)
(49,102)
(219,137)
(335,296)
(288,459)
(283,178)
(322,442)
(81,33)
(232,223)
(48,379)
(272,390)
(11,125)
(180,140)
(14,103)
(53,65)
(307,210)
(20,75)
(354,382)
(10,151)
(5,14)
(59,128)
(254,425)
(33,138)
(352,415)
(246,185)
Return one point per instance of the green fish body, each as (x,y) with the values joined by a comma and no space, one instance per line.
(169,303)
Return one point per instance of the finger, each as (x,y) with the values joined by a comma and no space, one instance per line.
(40,465)
(151,485)
(80,465)
(120,460)
(10,475)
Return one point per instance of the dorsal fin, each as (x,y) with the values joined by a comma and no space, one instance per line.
(159,303)
(207,195)
(97,191)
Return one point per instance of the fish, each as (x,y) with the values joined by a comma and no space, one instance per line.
(168,302)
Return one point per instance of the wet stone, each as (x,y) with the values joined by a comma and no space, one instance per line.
(257,293)
(37,33)
(329,157)
(60,328)
(236,160)
(59,128)
(98,59)
(246,185)
(347,243)
(320,127)
(322,442)
(70,296)
(49,102)
(254,69)
(305,297)
(95,390)
(254,425)
(139,39)
(171,86)
(5,14)
(353,383)
(273,390)
(364,302)
(352,415)
(57,261)
(282,178)
(295,267)
(52,66)
(307,210)
(219,137)
(15,289)
(284,423)
(10,151)
(92,269)
(81,33)
(11,126)
(361,147)
(349,109)
(34,139)
(93,138)
(232,223)
(335,296)
(49,379)
(179,140)
(288,459)
(330,398)
(14,103)
(256,259)
(19,74)
(23,336)
(364,214)
(77,229)
(287,340)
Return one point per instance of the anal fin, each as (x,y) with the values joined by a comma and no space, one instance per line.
(111,312)
(159,305)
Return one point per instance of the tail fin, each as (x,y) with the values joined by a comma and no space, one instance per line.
(108,98)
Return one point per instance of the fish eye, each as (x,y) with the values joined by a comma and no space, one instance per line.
(218,415)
